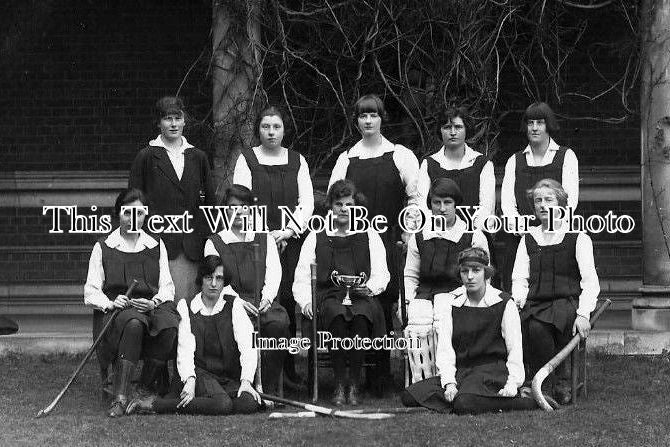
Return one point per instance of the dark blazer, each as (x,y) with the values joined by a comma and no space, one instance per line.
(153,173)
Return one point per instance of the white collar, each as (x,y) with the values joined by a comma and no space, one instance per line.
(359,151)
(553,146)
(453,234)
(115,240)
(158,141)
(468,156)
(197,305)
(491,297)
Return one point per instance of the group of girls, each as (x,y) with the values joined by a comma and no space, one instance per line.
(216,279)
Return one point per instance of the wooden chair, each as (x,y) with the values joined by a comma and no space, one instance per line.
(576,350)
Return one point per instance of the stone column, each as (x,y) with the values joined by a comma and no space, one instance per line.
(652,310)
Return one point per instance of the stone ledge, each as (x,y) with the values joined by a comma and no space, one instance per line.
(628,342)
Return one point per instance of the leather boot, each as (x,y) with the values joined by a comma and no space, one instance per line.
(151,370)
(124,371)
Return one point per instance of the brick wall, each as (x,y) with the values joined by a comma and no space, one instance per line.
(78,92)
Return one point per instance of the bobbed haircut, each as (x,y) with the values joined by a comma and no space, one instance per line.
(168,105)
(239,192)
(269,111)
(475,256)
(447,114)
(127,196)
(370,104)
(540,111)
(344,188)
(207,266)
(444,187)
(550,183)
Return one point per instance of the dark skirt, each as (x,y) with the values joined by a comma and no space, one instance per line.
(369,307)
(560,313)
(165,316)
(482,380)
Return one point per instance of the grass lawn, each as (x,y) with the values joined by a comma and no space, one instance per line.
(628,406)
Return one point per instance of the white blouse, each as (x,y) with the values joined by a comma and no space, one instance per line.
(242,331)
(93,294)
(272,264)
(302,285)
(445,356)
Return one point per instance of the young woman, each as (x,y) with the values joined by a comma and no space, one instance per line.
(279,177)
(555,285)
(236,247)
(479,354)
(215,356)
(146,325)
(542,158)
(176,179)
(386,174)
(432,255)
(348,254)
(470,169)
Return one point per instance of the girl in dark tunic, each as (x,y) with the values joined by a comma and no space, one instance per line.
(215,356)
(386,174)
(432,255)
(279,177)
(146,325)
(236,247)
(542,158)
(555,285)
(348,254)
(479,353)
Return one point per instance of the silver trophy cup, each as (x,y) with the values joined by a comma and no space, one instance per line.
(348,281)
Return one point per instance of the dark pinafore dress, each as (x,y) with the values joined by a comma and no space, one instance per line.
(120,269)
(348,255)
(481,356)
(553,286)
(467,179)
(238,265)
(525,177)
(438,272)
(217,357)
(379,180)
(277,185)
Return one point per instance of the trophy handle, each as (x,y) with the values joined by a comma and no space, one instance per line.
(334,278)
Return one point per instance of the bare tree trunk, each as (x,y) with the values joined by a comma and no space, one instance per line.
(652,310)
(235,81)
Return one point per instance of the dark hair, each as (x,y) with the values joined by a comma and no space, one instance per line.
(540,111)
(475,255)
(127,196)
(444,187)
(168,105)
(370,104)
(207,267)
(239,192)
(447,114)
(556,187)
(269,111)
(344,188)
